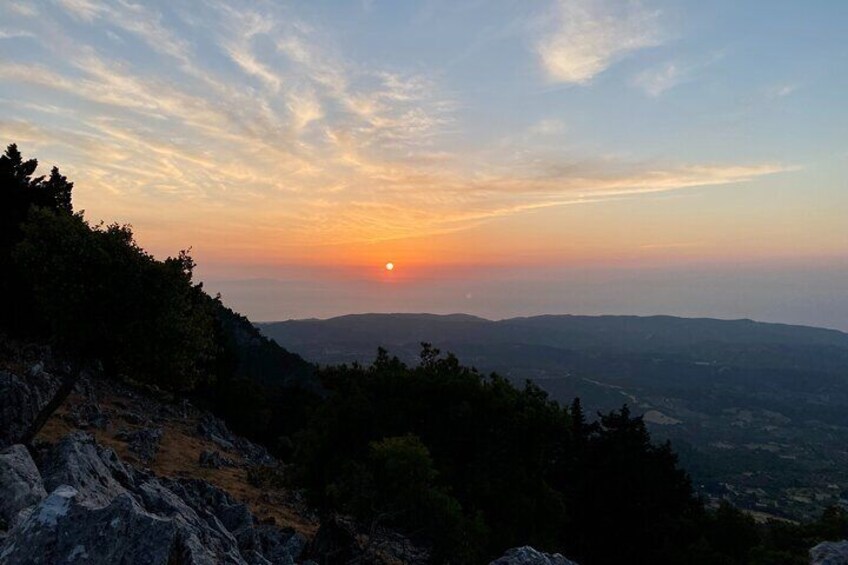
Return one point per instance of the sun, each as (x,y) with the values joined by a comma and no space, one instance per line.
(390,266)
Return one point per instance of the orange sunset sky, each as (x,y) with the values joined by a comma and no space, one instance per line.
(509,158)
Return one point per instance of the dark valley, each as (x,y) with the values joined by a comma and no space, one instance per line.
(758,412)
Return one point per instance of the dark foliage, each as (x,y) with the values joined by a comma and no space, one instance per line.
(93,292)
(98,294)
(19,192)
(785,542)
(263,391)
(472,465)
(510,466)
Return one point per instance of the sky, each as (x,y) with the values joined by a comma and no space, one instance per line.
(509,157)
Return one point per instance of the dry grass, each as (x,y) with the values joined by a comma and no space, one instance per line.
(178,455)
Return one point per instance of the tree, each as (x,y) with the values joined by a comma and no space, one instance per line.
(97,294)
(633,498)
(19,193)
(57,191)
(14,171)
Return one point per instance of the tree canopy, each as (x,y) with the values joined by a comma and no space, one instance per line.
(507,465)
(91,290)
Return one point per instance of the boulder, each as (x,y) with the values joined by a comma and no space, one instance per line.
(88,415)
(97,473)
(25,402)
(101,510)
(63,529)
(251,453)
(202,536)
(280,546)
(830,553)
(216,430)
(341,540)
(526,555)
(143,442)
(20,484)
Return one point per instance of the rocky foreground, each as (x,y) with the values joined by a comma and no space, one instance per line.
(92,471)
(109,475)
(84,504)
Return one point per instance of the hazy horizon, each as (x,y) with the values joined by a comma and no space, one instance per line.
(791,295)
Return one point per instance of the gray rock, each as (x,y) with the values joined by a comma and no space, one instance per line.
(272,544)
(96,472)
(101,510)
(25,400)
(88,415)
(252,453)
(216,430)
(830,553)
(203,537)
(214,460)
(340,539)
(20,484)
(528,556)
(63,529)
(185,408)
(143,442)
(337,541)
(280,546)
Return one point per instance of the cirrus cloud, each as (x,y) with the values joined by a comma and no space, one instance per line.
(588,36)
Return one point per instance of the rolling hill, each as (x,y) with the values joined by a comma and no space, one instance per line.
(758,411)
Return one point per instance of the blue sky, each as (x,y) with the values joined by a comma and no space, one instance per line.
(469,142)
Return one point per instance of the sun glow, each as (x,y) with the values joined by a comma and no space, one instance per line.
(390,266)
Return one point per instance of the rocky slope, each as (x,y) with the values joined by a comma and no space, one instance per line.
(93,471)
(111,475)
(100,510)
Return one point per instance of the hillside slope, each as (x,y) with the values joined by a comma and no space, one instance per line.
(167,478)
(758,411)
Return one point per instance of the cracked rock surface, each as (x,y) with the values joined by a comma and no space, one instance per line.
(85,504)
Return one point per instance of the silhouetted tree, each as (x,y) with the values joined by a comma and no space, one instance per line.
(102,296)
(19,193)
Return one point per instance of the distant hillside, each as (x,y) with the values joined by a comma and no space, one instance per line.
(355,337)
(758,411)
(258,358)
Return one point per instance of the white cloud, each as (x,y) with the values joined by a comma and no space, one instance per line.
(381,107)
(85,10)
(591,35)
(780,90)
(5,34)
(244,27)
(242,56)
(547,126)
(21,8)
(322,150)
(657,80)
(305,108)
